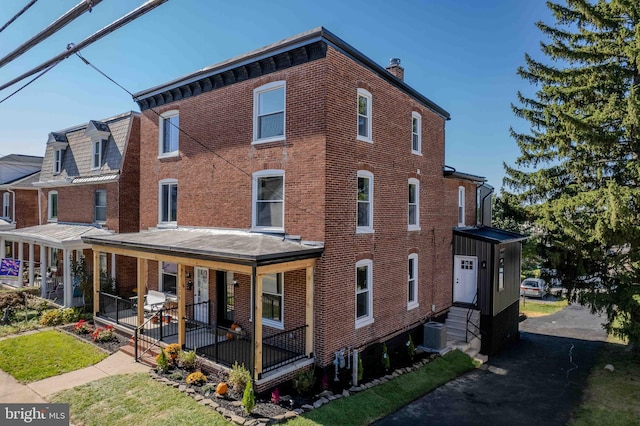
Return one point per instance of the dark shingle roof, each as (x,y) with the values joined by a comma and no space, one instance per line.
(20,158)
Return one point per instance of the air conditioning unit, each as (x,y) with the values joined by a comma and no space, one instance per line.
(434,335)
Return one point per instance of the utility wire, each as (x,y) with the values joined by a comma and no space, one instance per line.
(184,132)
(17,15)
(58,24)
(71,48)
(30,81)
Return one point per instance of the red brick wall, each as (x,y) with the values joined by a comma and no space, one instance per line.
(26,207)
(129,185)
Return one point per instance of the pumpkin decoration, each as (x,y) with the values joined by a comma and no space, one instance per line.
(230,336)
(234,326)
(221,389)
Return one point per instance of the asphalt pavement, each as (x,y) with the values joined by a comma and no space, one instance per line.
(538,380)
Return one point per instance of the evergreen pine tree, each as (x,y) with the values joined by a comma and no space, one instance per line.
(577,178)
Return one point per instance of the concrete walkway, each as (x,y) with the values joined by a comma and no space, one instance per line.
(37,392)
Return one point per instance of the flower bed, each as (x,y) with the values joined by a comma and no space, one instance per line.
(85,331)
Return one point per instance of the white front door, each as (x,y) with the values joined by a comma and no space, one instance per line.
(465,279)
(201,294)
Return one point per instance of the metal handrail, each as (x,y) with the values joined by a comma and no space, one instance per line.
(139,330)
(469,314)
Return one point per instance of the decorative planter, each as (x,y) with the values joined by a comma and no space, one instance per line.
(167,319)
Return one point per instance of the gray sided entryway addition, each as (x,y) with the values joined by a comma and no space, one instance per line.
(465,279)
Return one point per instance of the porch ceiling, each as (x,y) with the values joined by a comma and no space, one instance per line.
(61,235)
(220,245)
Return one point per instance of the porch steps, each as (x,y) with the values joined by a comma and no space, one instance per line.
(457,335)
(149,358)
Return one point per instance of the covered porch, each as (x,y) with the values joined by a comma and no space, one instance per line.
(44,256)
(223,259)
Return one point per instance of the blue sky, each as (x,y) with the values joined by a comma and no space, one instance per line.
(461,54)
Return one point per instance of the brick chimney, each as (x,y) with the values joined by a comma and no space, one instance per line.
(395,68)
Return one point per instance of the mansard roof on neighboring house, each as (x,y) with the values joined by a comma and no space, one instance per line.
(21,159)
(296,50)
(75,145)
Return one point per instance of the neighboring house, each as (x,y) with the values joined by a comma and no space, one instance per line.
(88,185)
(299,192)
(18,197)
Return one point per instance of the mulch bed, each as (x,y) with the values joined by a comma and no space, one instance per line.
(109,347)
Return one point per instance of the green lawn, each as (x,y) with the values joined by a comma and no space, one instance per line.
(45,354)
(134,399)
(533,308)
(612,397)
(379,401)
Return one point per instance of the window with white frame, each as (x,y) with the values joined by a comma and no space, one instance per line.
(169,133)
(412,290)
(168,202)
(168,277)
(365,202)
(96,158)
(416,133)
(461,200)
(57,161)
(53,206)
(269,112)
(100,205)
(102,261)
(414,204)
(6,205)
(364,293)
(364,115)
(268,200)
(273,300)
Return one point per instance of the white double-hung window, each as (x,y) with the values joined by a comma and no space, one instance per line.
(169,130)
(416,133)
(412,289)
(364,202)
(268,200)
(364,293)
(364,115)
(269,112)
(168,202)
(414,204)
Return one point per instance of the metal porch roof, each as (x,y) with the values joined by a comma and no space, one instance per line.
(55,234)
(489,234)
(227,245)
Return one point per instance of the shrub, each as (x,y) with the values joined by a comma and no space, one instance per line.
(360,369)
(70,315)
(187,359)
(248,398)
(411,348)
(51,318)
(163,362)
(208,389)
(82,327)
(176,375)
(239,377)
(173,349)
(303,381)
(386,362)
(103,334)
(197,379)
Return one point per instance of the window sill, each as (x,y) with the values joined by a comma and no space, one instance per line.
(416,153)
(52,220)
(267,140)
(167,225)
(170,156)
(364,139)
(273,324)
(414,228)
(362,230)
(412,305)
(363,322)
(267,230)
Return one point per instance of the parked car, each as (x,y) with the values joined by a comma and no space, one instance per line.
(533,287)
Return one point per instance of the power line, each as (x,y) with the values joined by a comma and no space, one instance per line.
(184,132)
(30,81)
(71,48)
(17,15)
(58,24)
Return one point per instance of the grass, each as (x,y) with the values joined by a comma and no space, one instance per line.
(379,401)
(45,354)
(611,397)
(536,309)
(31,323)
(134,399)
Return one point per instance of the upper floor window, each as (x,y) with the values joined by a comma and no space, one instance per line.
(364,115)
(100,205)
(273,300)
(364,293)
(416,133)
(414,204)
(365,202)
(168,202)
(57,161)
(461,202)
(268,200)
(412,290)
(269,112)
(169,133)
(53,206)
(97,154)
(6,204)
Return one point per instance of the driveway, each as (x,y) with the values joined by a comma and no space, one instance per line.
(538,380)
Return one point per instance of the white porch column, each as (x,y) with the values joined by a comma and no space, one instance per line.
(43,270)
(31,263)
(21,259)
(68,283)
(113,266)
(2,247)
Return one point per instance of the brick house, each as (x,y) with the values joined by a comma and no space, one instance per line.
(88,185)
(17,194)
(298,193)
